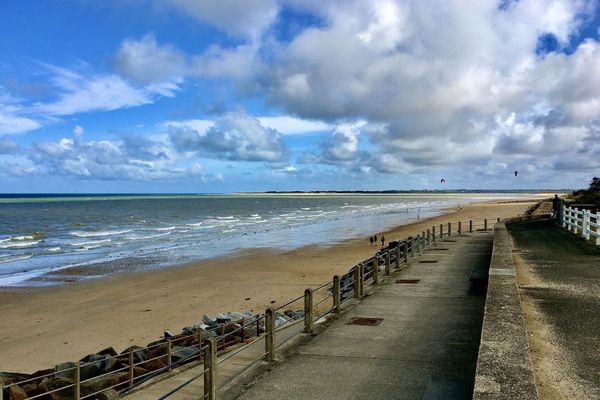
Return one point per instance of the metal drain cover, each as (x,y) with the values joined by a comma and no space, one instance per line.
(428,261)
(408,280)
(440,248)
(364,321)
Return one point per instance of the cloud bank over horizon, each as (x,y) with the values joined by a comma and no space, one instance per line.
(338,95)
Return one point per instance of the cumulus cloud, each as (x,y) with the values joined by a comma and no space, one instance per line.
(7,146)
(235,136)
(243,18)
(132,158)
(146,61)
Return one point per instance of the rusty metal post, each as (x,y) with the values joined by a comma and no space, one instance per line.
(337,295)
(169,354)
(387,263)
(471,226)
(428,237)
(433,234)
(131,368)
(77,381)
(441,231)
(449,229)
(459,227)
(210,370)
(355,272)
(308,311)
(269,335)
(485,224)
(498,219)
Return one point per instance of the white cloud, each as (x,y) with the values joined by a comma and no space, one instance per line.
(245,18)
(235,136)
(11,115)
(147,62)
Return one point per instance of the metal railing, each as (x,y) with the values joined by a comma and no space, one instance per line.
(319,302)
(581,222)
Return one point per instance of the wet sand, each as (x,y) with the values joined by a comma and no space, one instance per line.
(41,327)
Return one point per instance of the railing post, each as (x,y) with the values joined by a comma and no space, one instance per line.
(441,231)
(308,311)
(169,354)
(361,280)
(376,271)
(485,224)
(597,229)
(406,251)
(470,226)
(585,222)
(498,220)
(210,370)
(423,240)
(337,295)
(1,391)
(459,227)
(449,229)
(564,216)
(356,282)
(387,263)
(398,256)
(269,335)
(433,234)
(131,368)
(199,339)
(77,381)
(428,237)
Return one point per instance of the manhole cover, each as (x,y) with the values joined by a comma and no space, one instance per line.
(364,321)
(428,261)
(440,248)
(407,280)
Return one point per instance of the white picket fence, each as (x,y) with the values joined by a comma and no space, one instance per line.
(582,222)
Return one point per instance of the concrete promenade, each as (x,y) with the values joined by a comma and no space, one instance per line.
(559,280)
(424,348)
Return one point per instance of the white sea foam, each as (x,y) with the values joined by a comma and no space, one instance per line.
(90,244)
(13,259)
(144,237)
(99,233)
(18,244)
(169,228)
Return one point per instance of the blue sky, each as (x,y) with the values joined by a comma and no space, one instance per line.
(254,95)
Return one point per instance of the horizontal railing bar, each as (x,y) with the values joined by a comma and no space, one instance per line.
(244,347)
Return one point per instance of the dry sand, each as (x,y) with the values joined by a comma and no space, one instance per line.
(41,327)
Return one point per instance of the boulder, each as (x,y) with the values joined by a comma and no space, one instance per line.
(154,365)
(57,382)
(223,319)
(139,353)
(182,353)
(12,377)
(16,393)
(104,382)
(108,351)
(110,394)
(208,320)
(65,370)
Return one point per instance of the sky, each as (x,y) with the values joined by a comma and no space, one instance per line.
(218,96)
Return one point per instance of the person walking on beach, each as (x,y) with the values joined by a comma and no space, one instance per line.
(371,240)
(555,206)
(382,240)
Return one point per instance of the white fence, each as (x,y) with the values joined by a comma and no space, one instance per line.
(582,222)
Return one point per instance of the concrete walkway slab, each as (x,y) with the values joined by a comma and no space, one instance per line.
(425,348)
(559,280)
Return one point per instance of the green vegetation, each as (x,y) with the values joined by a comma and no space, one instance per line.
(590,195)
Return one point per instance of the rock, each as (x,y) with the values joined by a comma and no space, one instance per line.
(12,377)
(208,320)
(182,353)
(16,393)
(65,370)
(155,351)
(153,365)
(108,351)
(295,315)
(57,382)
(110,394)
(208,334)
(104,382)
(237,317)
(139,353)
(223,319)
(168,334)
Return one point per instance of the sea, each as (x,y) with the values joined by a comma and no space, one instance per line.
(43,237)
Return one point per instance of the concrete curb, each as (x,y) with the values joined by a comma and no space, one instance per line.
(504,368)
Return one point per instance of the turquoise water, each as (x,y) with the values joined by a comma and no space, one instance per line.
(48,233)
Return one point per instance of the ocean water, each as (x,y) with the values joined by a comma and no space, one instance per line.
(41,235)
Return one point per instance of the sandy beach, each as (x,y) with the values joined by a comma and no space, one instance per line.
(40,327)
